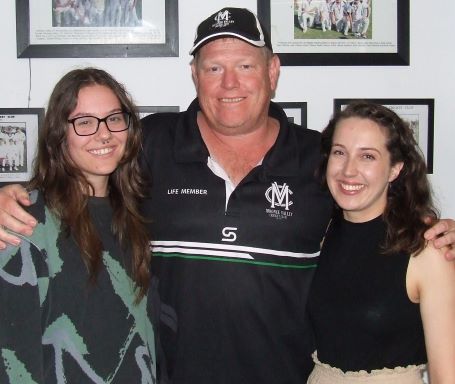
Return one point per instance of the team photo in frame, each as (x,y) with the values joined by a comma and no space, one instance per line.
(318,32)
(96,28)
(19,129)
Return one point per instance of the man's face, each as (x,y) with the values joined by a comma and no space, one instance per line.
(234,83)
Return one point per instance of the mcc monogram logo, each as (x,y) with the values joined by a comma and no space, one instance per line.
(222,19)
(279,196)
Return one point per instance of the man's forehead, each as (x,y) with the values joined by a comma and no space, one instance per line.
(228,41)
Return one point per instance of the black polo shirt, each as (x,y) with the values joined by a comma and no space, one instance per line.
(233,276)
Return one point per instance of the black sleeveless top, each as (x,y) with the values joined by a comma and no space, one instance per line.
(358,304)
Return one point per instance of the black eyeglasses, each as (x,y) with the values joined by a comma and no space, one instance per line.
(89,125)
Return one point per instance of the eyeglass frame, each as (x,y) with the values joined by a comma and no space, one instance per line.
(103,120)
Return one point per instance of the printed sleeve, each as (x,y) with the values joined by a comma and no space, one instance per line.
(23,271)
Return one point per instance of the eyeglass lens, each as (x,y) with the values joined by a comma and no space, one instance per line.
(88,125)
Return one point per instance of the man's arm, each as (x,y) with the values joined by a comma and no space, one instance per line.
(13,216)
(16,219)
(443,234)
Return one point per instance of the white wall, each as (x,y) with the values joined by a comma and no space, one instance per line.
(167,81)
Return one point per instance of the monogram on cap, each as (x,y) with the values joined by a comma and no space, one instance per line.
(235,22)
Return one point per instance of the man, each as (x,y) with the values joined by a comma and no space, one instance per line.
(112,13)
(306,11)
(365,8)
(324,12)
(63,11)
(360,18)
(341,16)
(20,139)
(356,16)
(237,217)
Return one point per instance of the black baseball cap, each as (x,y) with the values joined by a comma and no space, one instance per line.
(235,22)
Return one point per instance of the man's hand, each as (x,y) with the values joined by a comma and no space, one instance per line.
(13,216)
(445,228)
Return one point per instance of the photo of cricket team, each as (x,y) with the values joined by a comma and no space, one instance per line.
(96,13)
(13,151)
(332,19)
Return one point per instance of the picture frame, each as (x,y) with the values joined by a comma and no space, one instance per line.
(148,110)
(296,112)
(386,39)
(47,29)
(19,128)
(419,113)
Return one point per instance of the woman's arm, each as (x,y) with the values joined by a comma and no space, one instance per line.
(21,351)
(433,280)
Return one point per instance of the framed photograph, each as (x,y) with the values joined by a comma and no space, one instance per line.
(148,110)
(419,113)
(97,28)
(338,32)
(19,129)
(296,112)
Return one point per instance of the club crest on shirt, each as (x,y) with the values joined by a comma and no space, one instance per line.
(279,197)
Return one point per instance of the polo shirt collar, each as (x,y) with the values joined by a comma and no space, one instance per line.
(281,160)
(189,146)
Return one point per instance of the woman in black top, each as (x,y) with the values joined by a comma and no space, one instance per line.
(382,301)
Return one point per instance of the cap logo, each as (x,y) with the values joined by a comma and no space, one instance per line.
(222,19)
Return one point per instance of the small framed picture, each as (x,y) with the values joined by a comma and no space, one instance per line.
(419,113)
(19,129)
(296,112)
(148,110)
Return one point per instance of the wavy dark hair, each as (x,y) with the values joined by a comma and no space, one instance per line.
(409,200)
(58,178)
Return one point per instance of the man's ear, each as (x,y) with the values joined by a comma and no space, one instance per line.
(274,71)
(194,74)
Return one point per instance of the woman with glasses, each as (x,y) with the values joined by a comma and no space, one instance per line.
(73,294)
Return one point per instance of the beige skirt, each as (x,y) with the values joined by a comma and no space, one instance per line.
(325,374)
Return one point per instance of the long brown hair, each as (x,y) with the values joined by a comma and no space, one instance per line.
(66,191)
(409,199)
